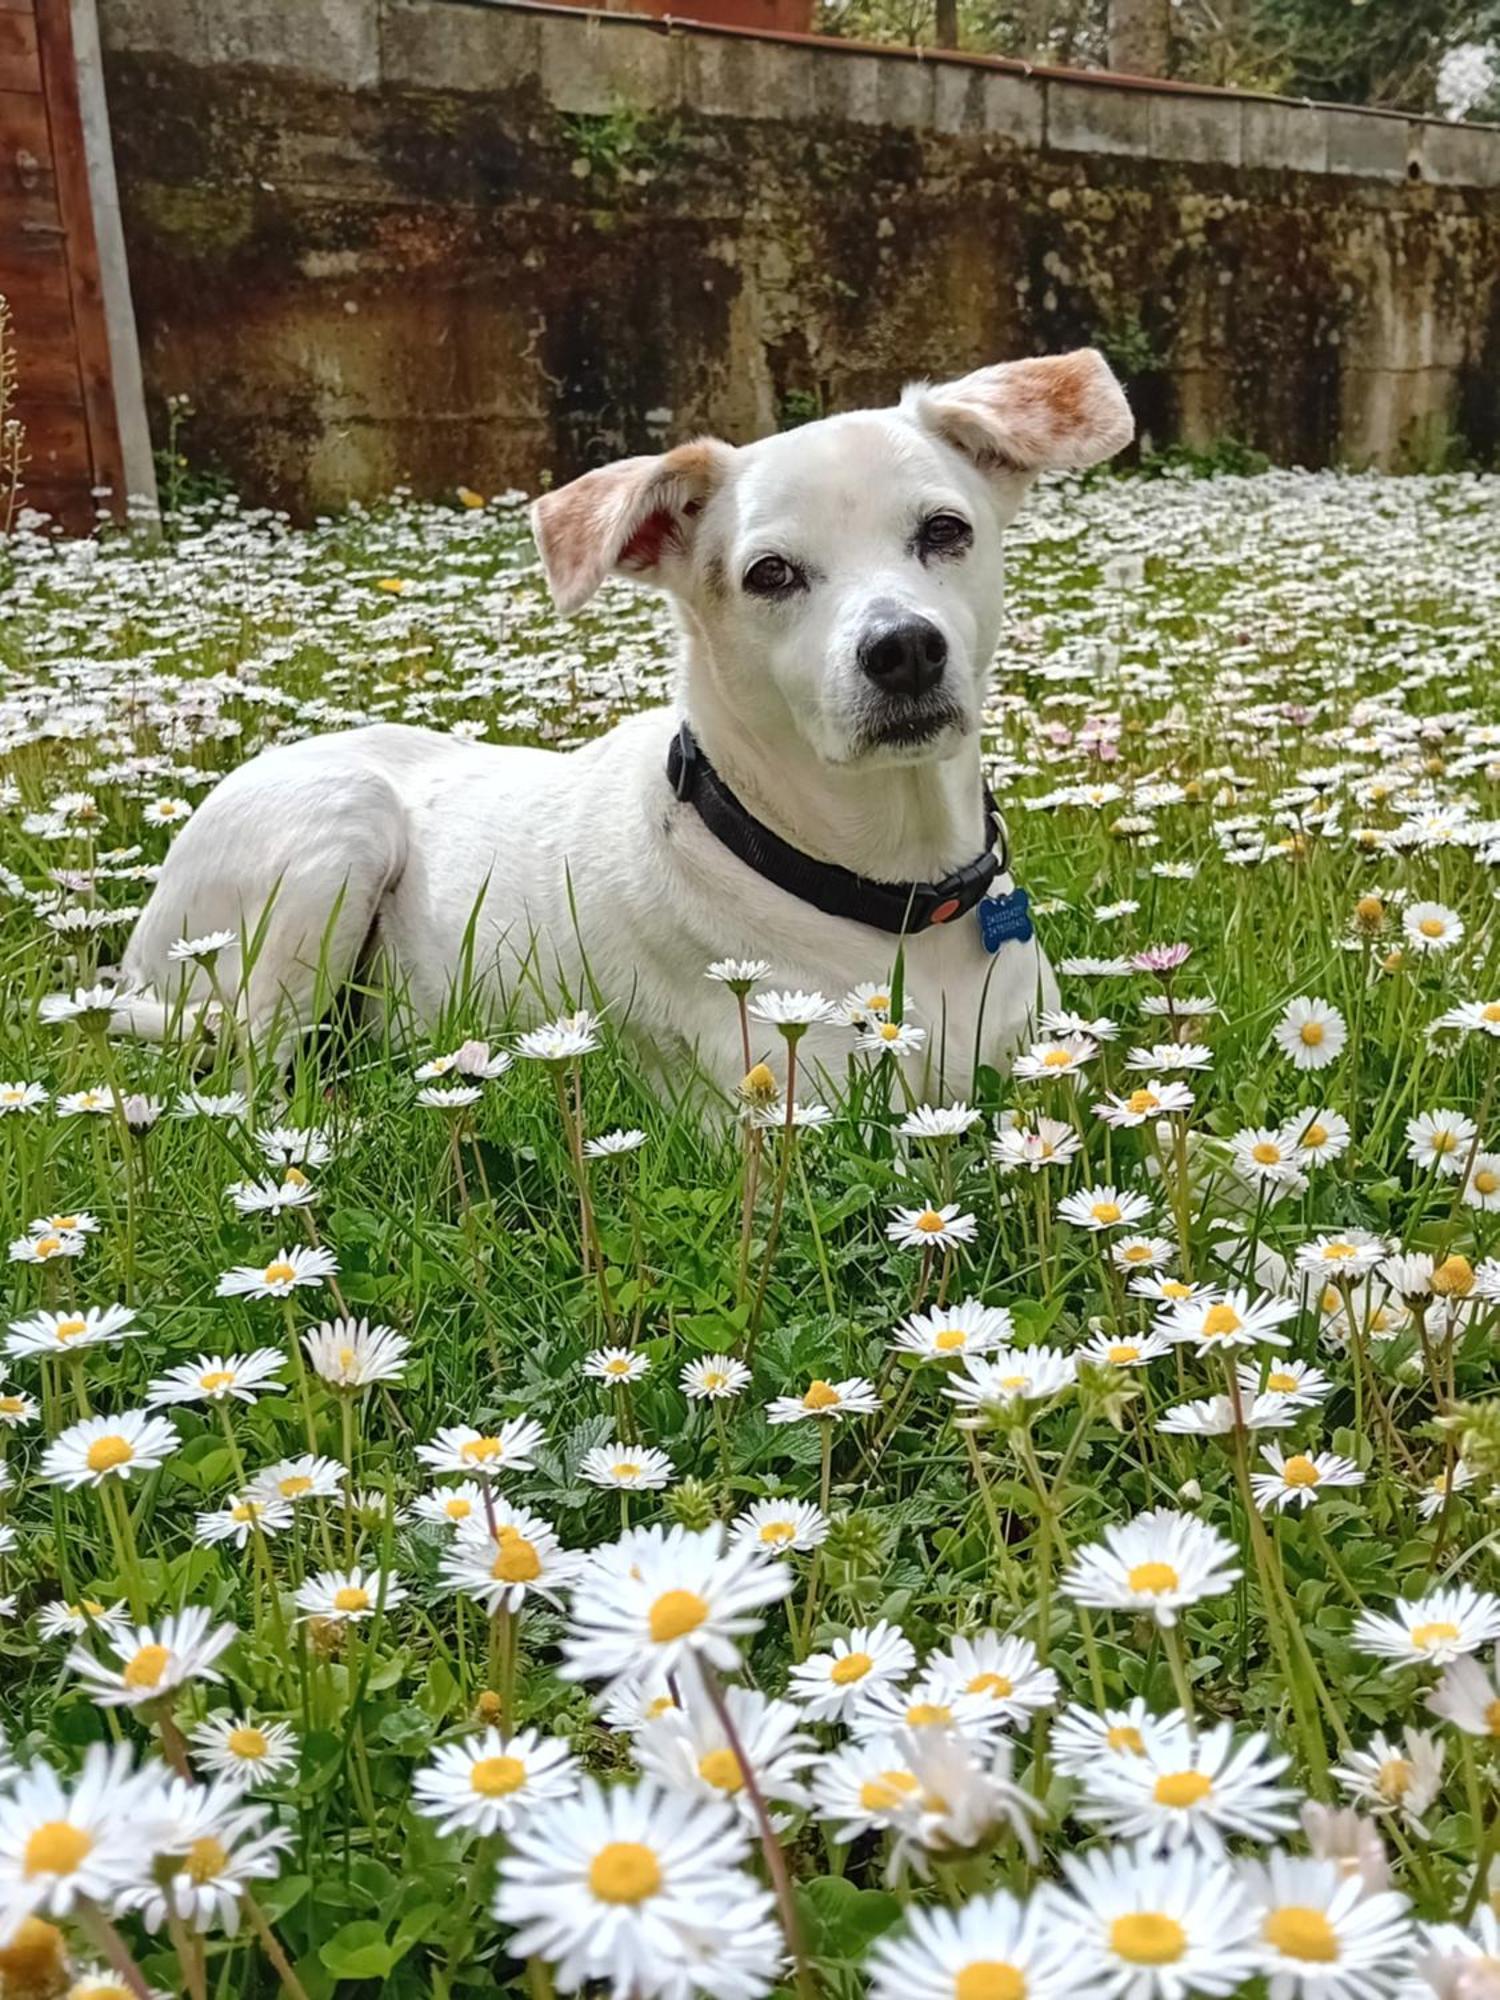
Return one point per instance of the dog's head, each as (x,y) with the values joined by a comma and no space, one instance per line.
(848,572)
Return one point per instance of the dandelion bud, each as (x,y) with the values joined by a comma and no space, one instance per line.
(326,1636)
(1369,916)
(34,1962)
(488,1706)
(1393,961)
(759,1085)
(1453,1278)
(693,1504)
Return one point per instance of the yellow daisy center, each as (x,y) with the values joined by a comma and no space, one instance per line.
(715,1379)
(1299,1932)
(1299,1470)
(480,1450)
(618,1367)
(1339,1253)
(1394,1778)
(821,1395)
(497,1777)
(1219,1321)
(205,1859)
(57,1848)
(294,1486)
(1150,1579)
(989,1979)
(1438,1633)
(1105,1211)
(776,1534)
(216,1378)
(625,1468)
(949,1340)
(996,1685)
(1148,1937)
(517,1562)
(887,1791)
(626,1871)
(1182,1788)
(928,1714)
(69,1329)
(458,1510)
(852,1667)
(1492,1717)
(1136,1253)
(1142,1100)
(1432,927)
(1491,1012)
(105,1453)
(351,1597)
(1486,1181)
(1281,1382)
(1124,1736)
(1122,1352)
(251,1744)
(1056,1059)
(930,1223)
(47,1246)
(1443,1141)
(722,1770)
(1174,1288)
(1315,1135)
(280,1273)
(889,1031)
(1311,1034)
(1266,1153)
(676,1613)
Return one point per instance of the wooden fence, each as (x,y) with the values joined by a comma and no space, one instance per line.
(78,367)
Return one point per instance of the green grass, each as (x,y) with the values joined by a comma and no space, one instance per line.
(1298,671)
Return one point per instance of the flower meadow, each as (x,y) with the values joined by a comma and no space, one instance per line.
(472,1522)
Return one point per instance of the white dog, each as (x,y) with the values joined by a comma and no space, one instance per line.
(838,590)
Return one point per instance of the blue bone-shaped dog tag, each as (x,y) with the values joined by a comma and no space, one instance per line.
(1005,920)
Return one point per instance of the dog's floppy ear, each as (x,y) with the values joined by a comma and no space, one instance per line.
(635,517)
(1028,416)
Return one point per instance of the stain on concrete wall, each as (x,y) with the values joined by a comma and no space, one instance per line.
(422,242)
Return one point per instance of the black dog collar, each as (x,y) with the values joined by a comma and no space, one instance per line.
(838,892)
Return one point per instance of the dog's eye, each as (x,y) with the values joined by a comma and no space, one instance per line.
(771,576)
(944,535)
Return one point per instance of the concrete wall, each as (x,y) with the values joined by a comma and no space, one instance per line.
(444,241)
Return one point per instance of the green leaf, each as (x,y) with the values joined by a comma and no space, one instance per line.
(358,1951)
(841,1918)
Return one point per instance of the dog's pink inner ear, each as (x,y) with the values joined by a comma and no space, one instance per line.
(630,516)
(1026,416)
(645,546)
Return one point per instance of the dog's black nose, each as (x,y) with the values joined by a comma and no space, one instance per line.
(904,655)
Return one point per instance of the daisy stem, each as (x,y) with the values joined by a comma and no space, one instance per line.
(299,1369)
(991,1514)
(776,1867)
(819,1250)
(825,1476)
(503,1665)
(754,1144)
(1171,1640)
(189,1952)
(1481,1833)
(346,1439)
(1021,1439)
(107,1939)
(281,1965)
(122,1533)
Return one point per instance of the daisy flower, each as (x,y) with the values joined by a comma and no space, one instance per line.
(965,1799)
(52,1333)
(238,1747)
(1343,1255)
(347,1596)
(781,1527)
(641,1889)
(15,1409)
(216,1378)
(629,1468)
(865,1786)
(488,1783)
(1435,1495)
(1219,1321)
(201,949)
(792,1013)
(967,1328)
(99,1448)
(352,1354)
(1470,1017)
(1468,1696)
(155,1659)
(1140,1253)
(1431,927)
(220,1845)
(61,1843)
(1100,1208)
(1311,1034)
(939,1121)
(1217,1416)
(238,1519)
(21,1097)
(713,1378)
(46,1249)
(1431,1630)
(739,974)
(449,1096)
(1157,1563)
(308,1477)
(931,1228)
(990,1385)
(1046,1143)
(853,1397)
(564,1040)
(1081,1739)
(1051,1060)
(272,1197)
(1265,1155)
(928,1703)
(861,1004)
(294,1146)
(1298,1480)
(1134,1925)
(286,1271)
(1440,1141)
(1148,1101)
(1131,1350)
(1482,1188)
(76,1223)
(992,1948)
(500,1570)
(891,1038)
(689,1751)
(616,1364)
(1321,1931)
(1180,1793)
(1317,1136)
(683,1593)
(461,1448)
(614,1145)
(455,1506)
(1389,1778)
(1460,1964)
(831,1685)
(1170,1056)
(1298,1383)
(70,1621)
(1002,1673)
